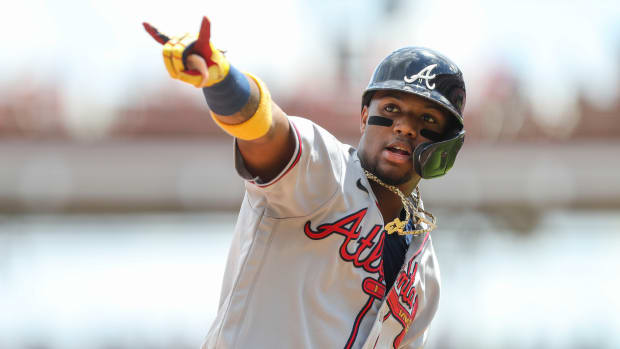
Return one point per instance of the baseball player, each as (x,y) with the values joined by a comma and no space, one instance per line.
(332,246)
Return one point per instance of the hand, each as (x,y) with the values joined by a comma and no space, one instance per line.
(192,59)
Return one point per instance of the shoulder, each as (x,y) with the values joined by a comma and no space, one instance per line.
(304,125)
(315,137)
(311,131)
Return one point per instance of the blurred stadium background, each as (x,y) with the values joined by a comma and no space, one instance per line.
(118,195)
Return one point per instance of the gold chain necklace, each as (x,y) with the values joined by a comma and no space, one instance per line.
(398,226)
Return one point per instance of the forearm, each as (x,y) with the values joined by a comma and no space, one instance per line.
(267,156)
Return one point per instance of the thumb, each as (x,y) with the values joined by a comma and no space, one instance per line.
(159,37)
(197,63)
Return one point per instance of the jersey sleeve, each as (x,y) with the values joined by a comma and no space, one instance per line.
(312,176)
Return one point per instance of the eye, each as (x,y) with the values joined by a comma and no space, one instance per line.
(391,108)
(429,118)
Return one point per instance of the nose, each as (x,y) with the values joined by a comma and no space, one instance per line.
(406,127)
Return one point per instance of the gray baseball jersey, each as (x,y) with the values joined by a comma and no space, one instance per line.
(305,265)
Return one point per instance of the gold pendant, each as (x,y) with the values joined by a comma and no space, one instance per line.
(395,226)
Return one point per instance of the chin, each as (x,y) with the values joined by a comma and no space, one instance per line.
(393,178)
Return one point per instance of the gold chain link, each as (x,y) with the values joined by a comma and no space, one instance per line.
(398,226)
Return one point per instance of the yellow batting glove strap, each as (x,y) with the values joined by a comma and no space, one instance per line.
(256,126)
(220,69)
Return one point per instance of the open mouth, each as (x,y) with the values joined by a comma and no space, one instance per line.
(398,149)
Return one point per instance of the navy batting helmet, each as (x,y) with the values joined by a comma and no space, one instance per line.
(434,77)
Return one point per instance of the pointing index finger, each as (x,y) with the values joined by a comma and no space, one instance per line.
(159,37)
(205,29)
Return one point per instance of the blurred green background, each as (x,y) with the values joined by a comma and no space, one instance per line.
(118,196)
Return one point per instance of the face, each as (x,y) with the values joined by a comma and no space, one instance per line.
(387,150)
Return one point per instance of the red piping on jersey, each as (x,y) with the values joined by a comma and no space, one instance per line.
(290,167)
(358,321)
(421,246)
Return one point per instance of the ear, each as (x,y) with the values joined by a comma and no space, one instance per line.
(364,119)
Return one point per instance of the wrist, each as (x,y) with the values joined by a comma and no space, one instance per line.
(258,125)
(230,95)
(218,66)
